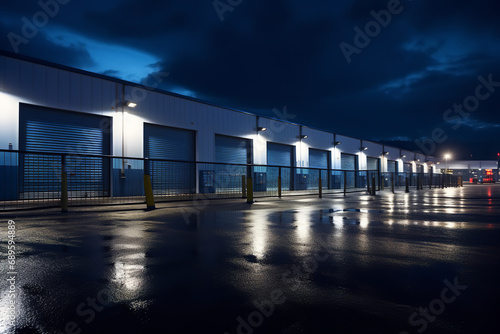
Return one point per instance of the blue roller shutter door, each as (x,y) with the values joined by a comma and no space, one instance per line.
(319,159)
(349,163)
(232,150)
(373,164)
(281,155)
(391,166)
(168,177)
(56,131)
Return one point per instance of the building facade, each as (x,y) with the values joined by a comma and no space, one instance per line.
(51,108)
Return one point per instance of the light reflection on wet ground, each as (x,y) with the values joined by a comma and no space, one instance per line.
(386,256)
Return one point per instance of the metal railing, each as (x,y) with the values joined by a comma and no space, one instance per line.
(34,180)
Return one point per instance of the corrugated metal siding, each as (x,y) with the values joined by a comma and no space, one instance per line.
(349,162)
(161,142)
(46,130)
(372,164)
(280,155)
(392,166)
(319,158)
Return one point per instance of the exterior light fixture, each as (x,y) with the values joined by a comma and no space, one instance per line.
(260,128)
(447,156)
(385,153)
(130,104)
(403,156)
(336,143)
(363,148)
(302,136)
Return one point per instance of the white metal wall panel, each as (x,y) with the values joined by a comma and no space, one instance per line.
(12,77)
(2,74)
(26,78)
(52,88)
(393,153)
(86,93)
(349,145)
(64,84)
(374,149)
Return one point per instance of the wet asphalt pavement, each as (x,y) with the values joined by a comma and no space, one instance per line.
(424,262)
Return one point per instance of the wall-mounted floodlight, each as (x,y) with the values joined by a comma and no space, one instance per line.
(260,128)
(403,156)
(385,153)
(336,143)
(130,104)
(302,136)
(363,148)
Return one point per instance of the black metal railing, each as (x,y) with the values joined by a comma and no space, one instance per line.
(34,179)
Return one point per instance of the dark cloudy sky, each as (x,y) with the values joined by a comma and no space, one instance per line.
(263,55)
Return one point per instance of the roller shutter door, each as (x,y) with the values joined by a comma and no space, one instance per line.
(392,166)
(169,177)
(373,164)
(57,131)
(348,162)
(232,150)
(319,159)
(280,155)
(408,168)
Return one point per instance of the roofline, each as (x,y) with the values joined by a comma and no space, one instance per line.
(165,92)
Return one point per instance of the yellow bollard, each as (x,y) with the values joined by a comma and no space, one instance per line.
(148,190)
(249,190)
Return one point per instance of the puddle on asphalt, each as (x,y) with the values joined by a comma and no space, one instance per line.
(353,210)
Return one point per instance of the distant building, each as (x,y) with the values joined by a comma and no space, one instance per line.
(473,170)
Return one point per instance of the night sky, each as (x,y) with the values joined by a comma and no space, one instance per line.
(376,70)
